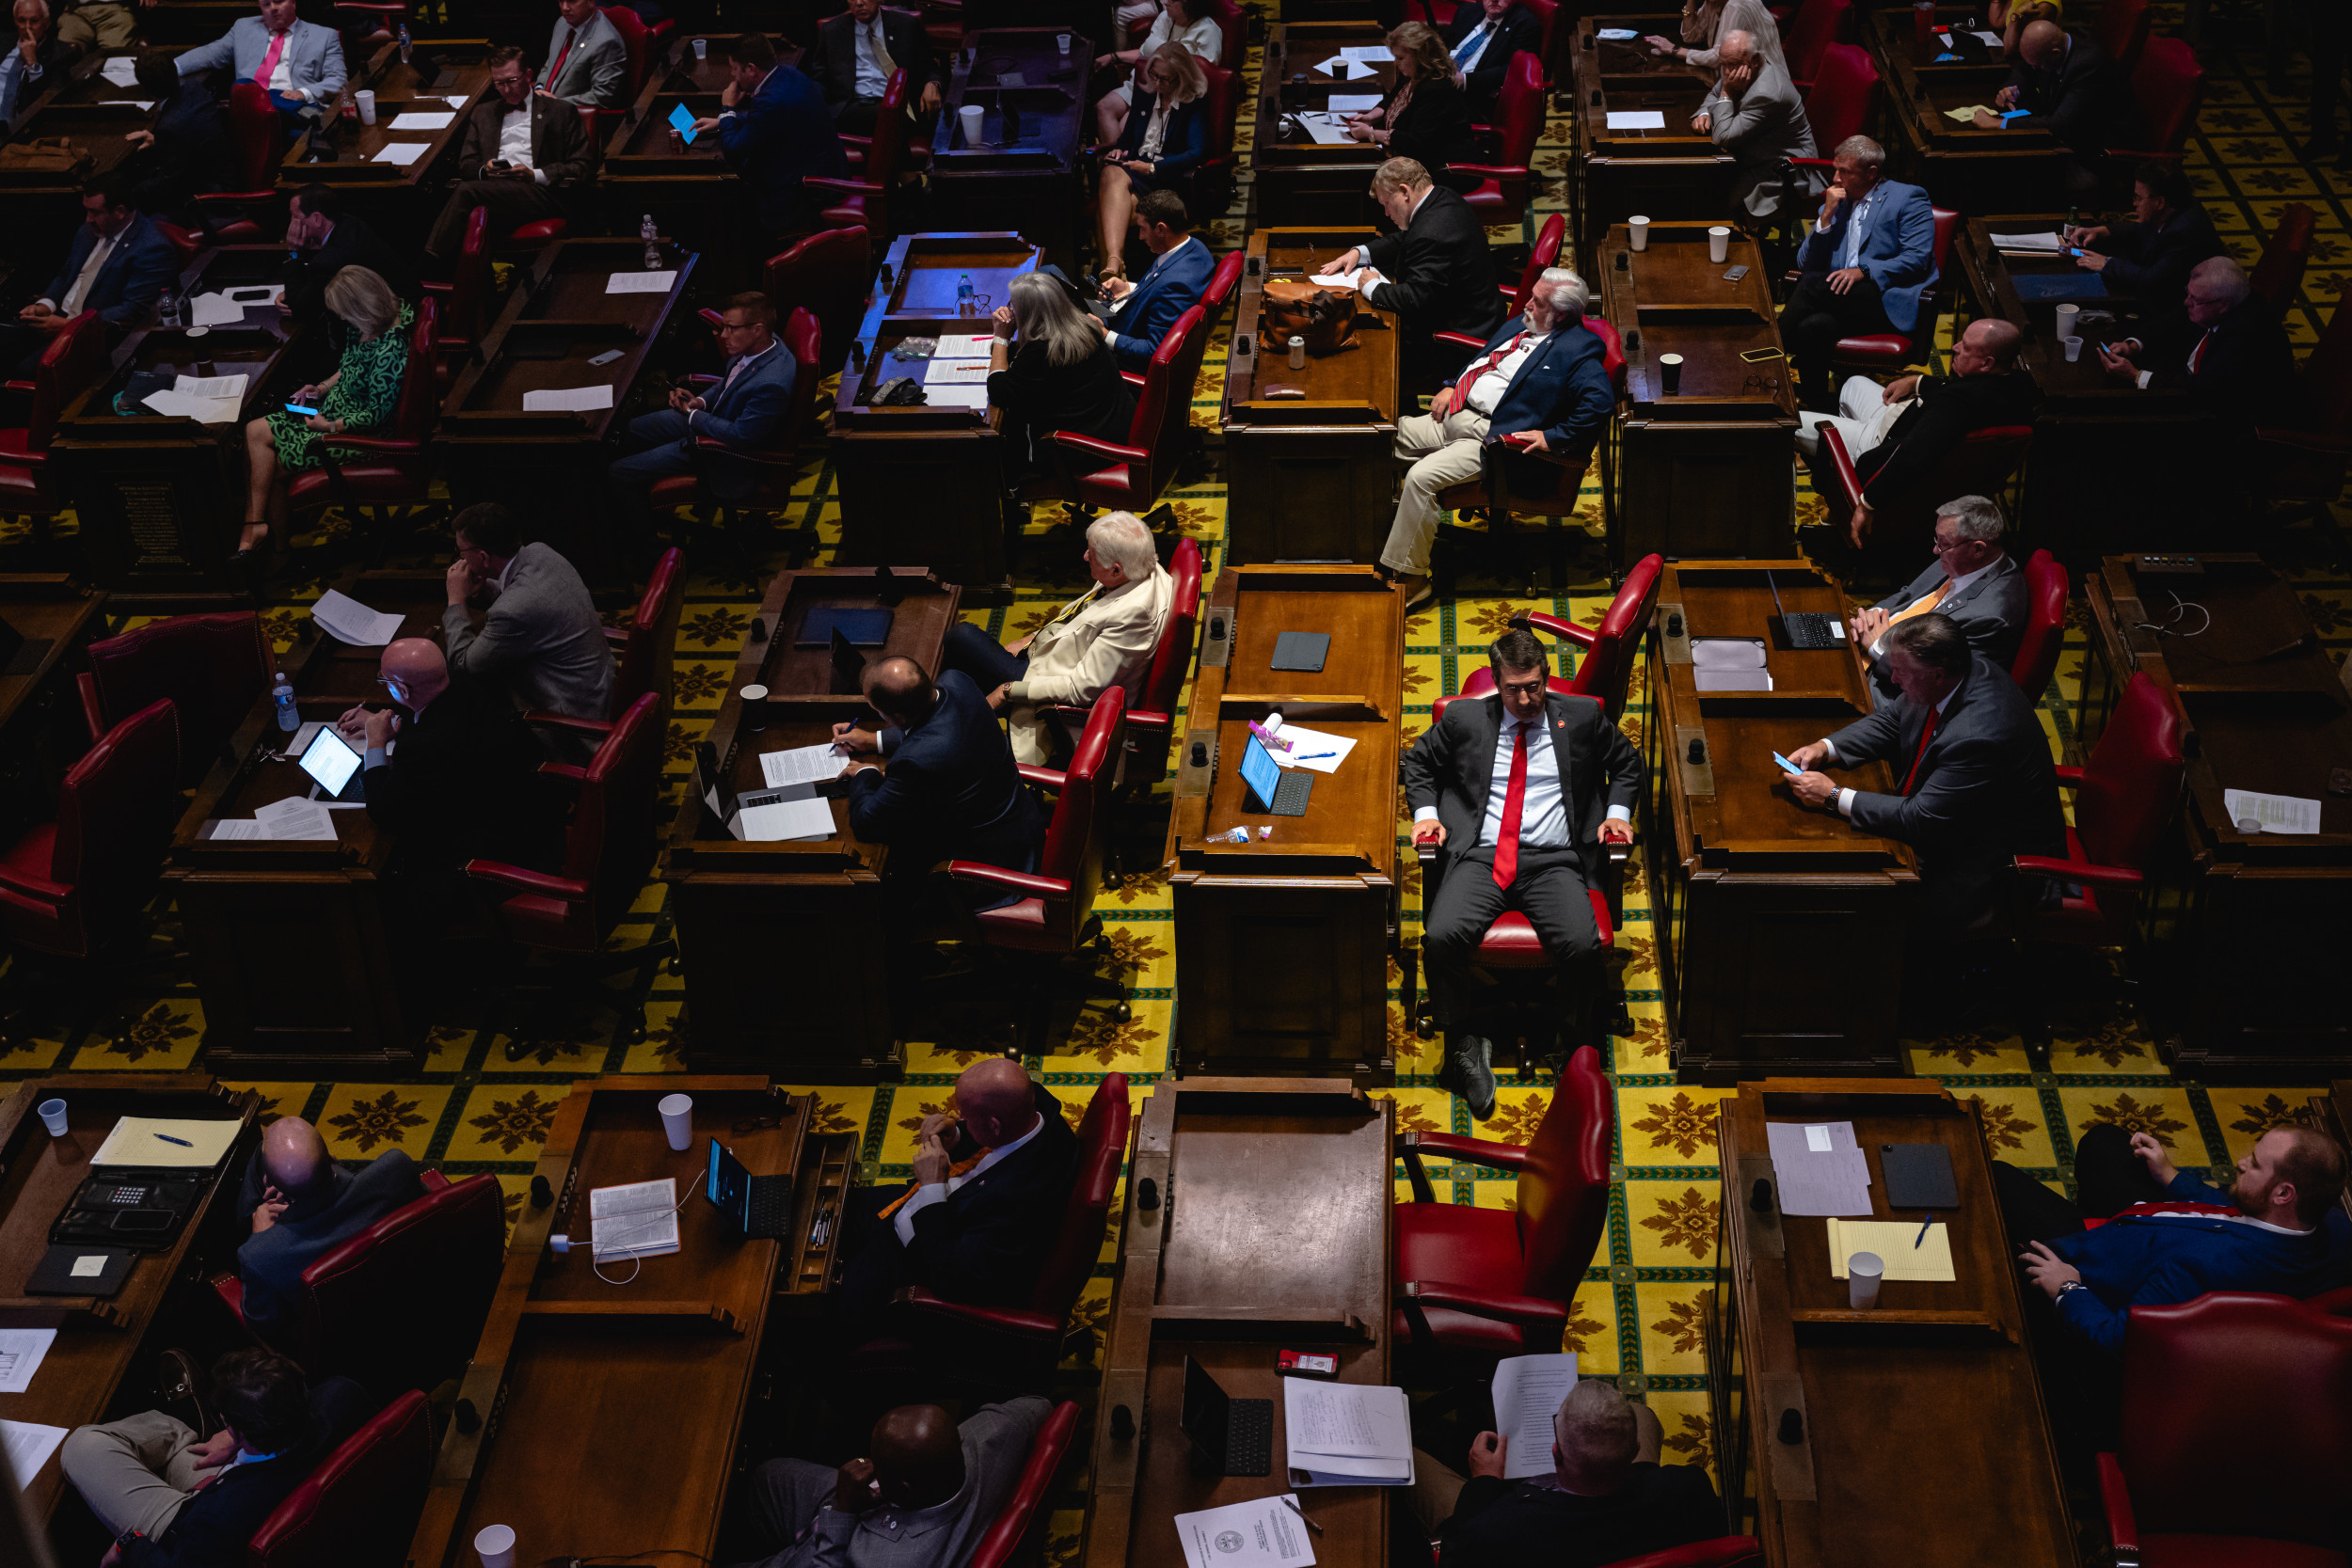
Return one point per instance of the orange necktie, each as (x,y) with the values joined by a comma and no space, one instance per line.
(954,1170)
(1922,605)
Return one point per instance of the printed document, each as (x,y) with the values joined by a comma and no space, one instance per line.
(2277,814)
(1637,119)
(29,1445)
(1260,1533)
(1528,1390)
(800,765)
(639,1220)
(347,620)
(1819,1167)
(1347,1434)
(20,1349)
(400,152)
(559,400)
(423,120)
(640,282)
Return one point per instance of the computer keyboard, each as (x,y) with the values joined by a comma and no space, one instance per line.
(1250,1437)
(1810,630)
(769,1209)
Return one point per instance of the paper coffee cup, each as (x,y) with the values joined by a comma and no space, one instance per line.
(1718,243)
(972,114)
(495,1545)
(1639,227)
(1670,372)
(1864,1272)
(2073,348)
(677,1119)
(2066,314)
(53,1117)
(367,107)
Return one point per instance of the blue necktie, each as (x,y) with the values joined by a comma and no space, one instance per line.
(1473,46)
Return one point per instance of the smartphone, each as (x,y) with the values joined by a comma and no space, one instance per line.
(606,358)
(1736,274)
(1786,766)
(246,296)
(297,408)
(1757,355)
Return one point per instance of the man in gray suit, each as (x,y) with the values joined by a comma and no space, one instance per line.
(303,1205)
(1972,582)
(297,62)
(922,1498)
(542,641)
(1754,114)
(587,59)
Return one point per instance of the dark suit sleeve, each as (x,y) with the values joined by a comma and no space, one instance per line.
(1428,762)
(1419,282)
(1191,122)
(817,64)
(1134,348)
(568,156)
(1942,424)
(209,1529)
(152,266)
(1819,245)
(882,802)
(1583,408)
(1947,799)
(1435,132)
(1868,738)
(1621,762)
(475,153)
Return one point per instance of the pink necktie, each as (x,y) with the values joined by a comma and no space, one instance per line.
(269,61)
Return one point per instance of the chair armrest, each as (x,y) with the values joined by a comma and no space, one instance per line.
(93,711)
(25,459)
(1490,171)
(570,773)
(230,1288)
(1567,631)
(1019,1322)
(1452,1145)
(1850,483)
(2116,1496)
(396,446)
(1019,882)
(1109,451)
(1157,724)
(434,286)
(617,638)
(29,886)
(2078,871)
(847,187)
(596,727)
(524,880)
(1526,1311)
(1460,340)
(2133,155)
(1129,377)
(1810,163)
(1053,779)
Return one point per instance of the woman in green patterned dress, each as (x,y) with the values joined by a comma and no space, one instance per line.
(360,396)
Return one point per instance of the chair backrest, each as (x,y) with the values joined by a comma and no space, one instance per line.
(2285,254)
(2131,785)
(187,242)
(1612,351)
(2328,373)
(2037,657)
(257,136)
(116,809)
(640,44)
(1547,14)
(412,416)
(2187,1367)
(2122,29)
(889,147)
(1171,661)
(212,667)
(1724,1551)
(1521,108)
(1545,253)
(829,273)
(609,843)
(361,1504)
(73,363)
(2330,1304)
(648,651)
(1606,666)
(804,339)
(1816,25)
(1845,91)
(1232,30)
(2169,85)
(1221,101)
(401,1304)
(1221,281)
(1078,1244)
(1563,1187)
(1164,407)
(1014,1520)
(1082,812)
(469,280)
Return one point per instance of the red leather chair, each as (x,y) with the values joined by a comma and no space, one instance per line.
(2187,1370)
(1610,650)
(2169,85)
(645,648)
(2122,29)
(361,1503)
(1726,1551)
(74,361)
(1889,352)
(1209,186)
(401,1304)
(378,18)
(1806,40)
(1020,1345)
(257,141)
(1842,100)
(1151,702)
(2046,587)
(2280,272)
(210,667)
(609,848)
(74,886)
(777,465)
(2330,1304)
(463,303)
(187,242)
(828,275)
(1545,253)
(2307,467)
(639,39)
(394,470)
(1220,285)
(1012,1524)
(1501,188)
(1158,439)
(1487,1283)
(2125,796)
(1982,464)
(865,199)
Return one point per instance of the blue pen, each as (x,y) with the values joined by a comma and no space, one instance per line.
(1923,1232)
(1314,756)
(169,1139)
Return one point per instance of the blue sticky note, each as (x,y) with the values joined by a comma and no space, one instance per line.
(2014,114)
(683,122)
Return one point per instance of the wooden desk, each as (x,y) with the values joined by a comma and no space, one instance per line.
(1748,889)
(1272,1232)
(1963,168)
(925,483)
(99,1338)
(1671,172)
(160,495)
(86,86)
(41,728)
(1926,1408)
(740,905)
(2250,929)
(295,943)
(44,205)
(575,1376)
(1034,184)
(400,201)
(1311,478)
(1704,471)
(1299,179)
(1282,942)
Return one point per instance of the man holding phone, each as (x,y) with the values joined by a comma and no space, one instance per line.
(523,150)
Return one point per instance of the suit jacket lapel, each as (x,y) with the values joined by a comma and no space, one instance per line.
(1489,735)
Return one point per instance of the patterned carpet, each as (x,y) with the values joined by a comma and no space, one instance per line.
(1637,1316)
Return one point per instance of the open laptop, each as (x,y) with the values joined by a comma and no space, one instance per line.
(760,1205)
(1229,1436)
(331,761)
(1282,794)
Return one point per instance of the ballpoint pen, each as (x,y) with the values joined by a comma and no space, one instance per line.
(1923,1232)
(1291,1503)
(169,1139)
(1314,756)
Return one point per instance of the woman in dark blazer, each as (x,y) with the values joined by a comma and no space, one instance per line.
(1165,138)
(1426,116)
(1050,369)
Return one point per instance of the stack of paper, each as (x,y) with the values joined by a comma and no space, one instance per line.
(557,400)
(29,1445)
(218,310)
(639,1220)
(1347,1434)
(1316,751)
(1892,1242)
(1264,1532)
(796,765)
(1352,103)
(1730,664)
(1528,1390)
(2271,814)
(207,399)
(961,345)
(640,282)
(955,372)
(347,620)
(157,1143)
(400,152)
(1326,129)
(2044,243)
(20,1353)
(1819,1167)
(956,394)
(122,70)
(420,121)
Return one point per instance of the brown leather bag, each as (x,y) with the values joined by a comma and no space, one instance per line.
(1295,308)
(45,155)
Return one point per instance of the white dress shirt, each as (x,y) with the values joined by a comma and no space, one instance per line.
(1844,797)
(1480,36)
(1486,394)
(1878,649)
(1544,812)
(1155,131)
(936,1192)
(514,141)
(868,49)
(1364,253)
(71,304)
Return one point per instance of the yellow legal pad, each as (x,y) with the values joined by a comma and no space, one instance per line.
(145,1141)
(1891,1240)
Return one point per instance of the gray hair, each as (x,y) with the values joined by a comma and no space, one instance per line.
(1561,289)
(1398,174)
(1735,45)
(1863,151)
(40,6)
(2223,279)
(1121,539)
(1975,518)
(1595,1424)
(1044,312)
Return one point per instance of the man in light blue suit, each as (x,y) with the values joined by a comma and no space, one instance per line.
(1870,256)
(742,414)
(1146,309)
(299,62)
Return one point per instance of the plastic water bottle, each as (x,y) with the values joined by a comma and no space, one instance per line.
(282,697)
(406,43)
(651,233)
(964,295)
(167,309)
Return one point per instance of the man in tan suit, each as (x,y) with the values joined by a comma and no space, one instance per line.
(1103,639)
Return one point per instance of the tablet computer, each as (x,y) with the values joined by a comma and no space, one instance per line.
(331,760)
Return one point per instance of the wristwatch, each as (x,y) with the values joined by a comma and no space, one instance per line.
(2069,1285)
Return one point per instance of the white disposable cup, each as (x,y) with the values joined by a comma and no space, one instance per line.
(702,48)
(677,1119)
(367,107)
(53,1117)
(1718,243)
(495,1545)
(2245,825)
(973,115)
(1639,227)
(2066,314)
(1864,1270)
(1061,41)
(2073,348)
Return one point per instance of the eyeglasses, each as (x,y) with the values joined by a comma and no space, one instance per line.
(1524,688)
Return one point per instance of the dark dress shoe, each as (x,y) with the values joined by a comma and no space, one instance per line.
(1471,1059)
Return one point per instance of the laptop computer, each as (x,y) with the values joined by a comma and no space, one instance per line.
(1806,629)
(1282,794)
(1229,1436)
(331,761)
(760,1205)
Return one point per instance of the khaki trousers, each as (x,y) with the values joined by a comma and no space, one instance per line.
(102,23)
(134,1473)
(1443,453)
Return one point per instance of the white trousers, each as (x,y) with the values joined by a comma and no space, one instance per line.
(1443,453)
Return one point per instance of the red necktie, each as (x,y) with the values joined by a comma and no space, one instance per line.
(1514,803)
(2197,356)
(1497,357)
(1921,755)
(562,54)
(269,61)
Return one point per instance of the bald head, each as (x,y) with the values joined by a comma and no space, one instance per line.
(1734,47)
(918,1460)
(899,688)
(2041,43)
(294,1156)
(995,1101)
(1988,347)
(415,671)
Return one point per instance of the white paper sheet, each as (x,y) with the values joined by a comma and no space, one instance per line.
(1346,1433)
(202,410)
(953,396)
(963,345)
(1348,70)
(800,765)
(1262,1532)
(1526,1394)
(1352,103)
(640,282)
(955,372)
(561,399)
(21,1351)
(1817,1181)
(1316,751)
(166,1143)
(349,621)
(1370,54)
(213,387)
(1327,130)
(414,119)
(122,70)
(807,817)
(1637,119)
(400,152)
(295,818)
(218,310)
(2277,814)
(229,830)
(29,1445)
(1991,39)
(2050,243)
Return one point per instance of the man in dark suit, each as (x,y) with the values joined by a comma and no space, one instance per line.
(855,54)
(1481,37)
(1518,792)
(118,265)
(322,239)
(1972,582)
(177,1498)
(1142,311)
(1433,269)
(2151,256)
(2226,348)
(1974,786)
(775,133)
(2069,88)
(522,151)
(1870,256)
(301,1205)
(743,413)
(1538,392)
(984,1210)
(187,149)
(1897,434)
